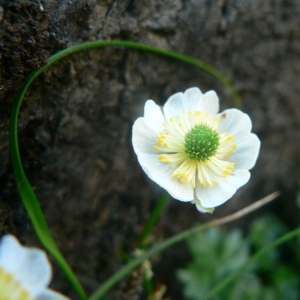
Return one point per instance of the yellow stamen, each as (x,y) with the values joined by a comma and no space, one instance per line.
(10,288)
(187,170)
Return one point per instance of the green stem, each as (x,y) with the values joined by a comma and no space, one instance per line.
(139,46)
(153,218)
(28,196)
(109,283)
(26,192)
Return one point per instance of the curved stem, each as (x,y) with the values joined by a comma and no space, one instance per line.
(168,53)
(153,218)
(27,194)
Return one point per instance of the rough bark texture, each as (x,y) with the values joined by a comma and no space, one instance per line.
(75,123)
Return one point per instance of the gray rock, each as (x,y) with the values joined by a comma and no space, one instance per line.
(75,122)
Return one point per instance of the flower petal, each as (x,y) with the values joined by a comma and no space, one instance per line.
(246,153)
(242,150)
(201,208)
(51,295)
(234,121)
(174,106)
(161,174)
(144,137)
(221,192)
(154,116)
(11,253)
(29,266)
(210,103)
(193,99)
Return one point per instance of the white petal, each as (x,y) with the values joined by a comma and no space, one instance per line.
(29,266)
(144,137)
(195,100)
(234,121)
(192,99)
(174,106)
(220,193)
(161,174)
(51,295)
(210,103)
(246,153)
(201,208)
(35,271)
(11,254)
(154,116)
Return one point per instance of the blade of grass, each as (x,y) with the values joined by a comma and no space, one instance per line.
(168,53)
(29,198)
(144,242)
(26,192)
(156,212)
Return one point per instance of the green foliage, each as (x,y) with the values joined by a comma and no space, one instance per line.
(217,253)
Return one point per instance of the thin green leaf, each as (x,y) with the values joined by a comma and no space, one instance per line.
(26,192)
(156,212)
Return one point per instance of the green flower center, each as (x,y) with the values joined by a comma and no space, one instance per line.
(201,142)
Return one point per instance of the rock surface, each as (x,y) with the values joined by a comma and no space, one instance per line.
(75,122)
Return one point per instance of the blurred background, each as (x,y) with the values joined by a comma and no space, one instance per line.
(75,134)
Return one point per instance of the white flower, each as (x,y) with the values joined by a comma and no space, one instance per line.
(192,151)
(24,272)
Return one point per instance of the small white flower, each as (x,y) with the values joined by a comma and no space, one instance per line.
(192,151)
(24,272)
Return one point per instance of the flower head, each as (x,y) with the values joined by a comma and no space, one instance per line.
(24,272)
(194,152)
